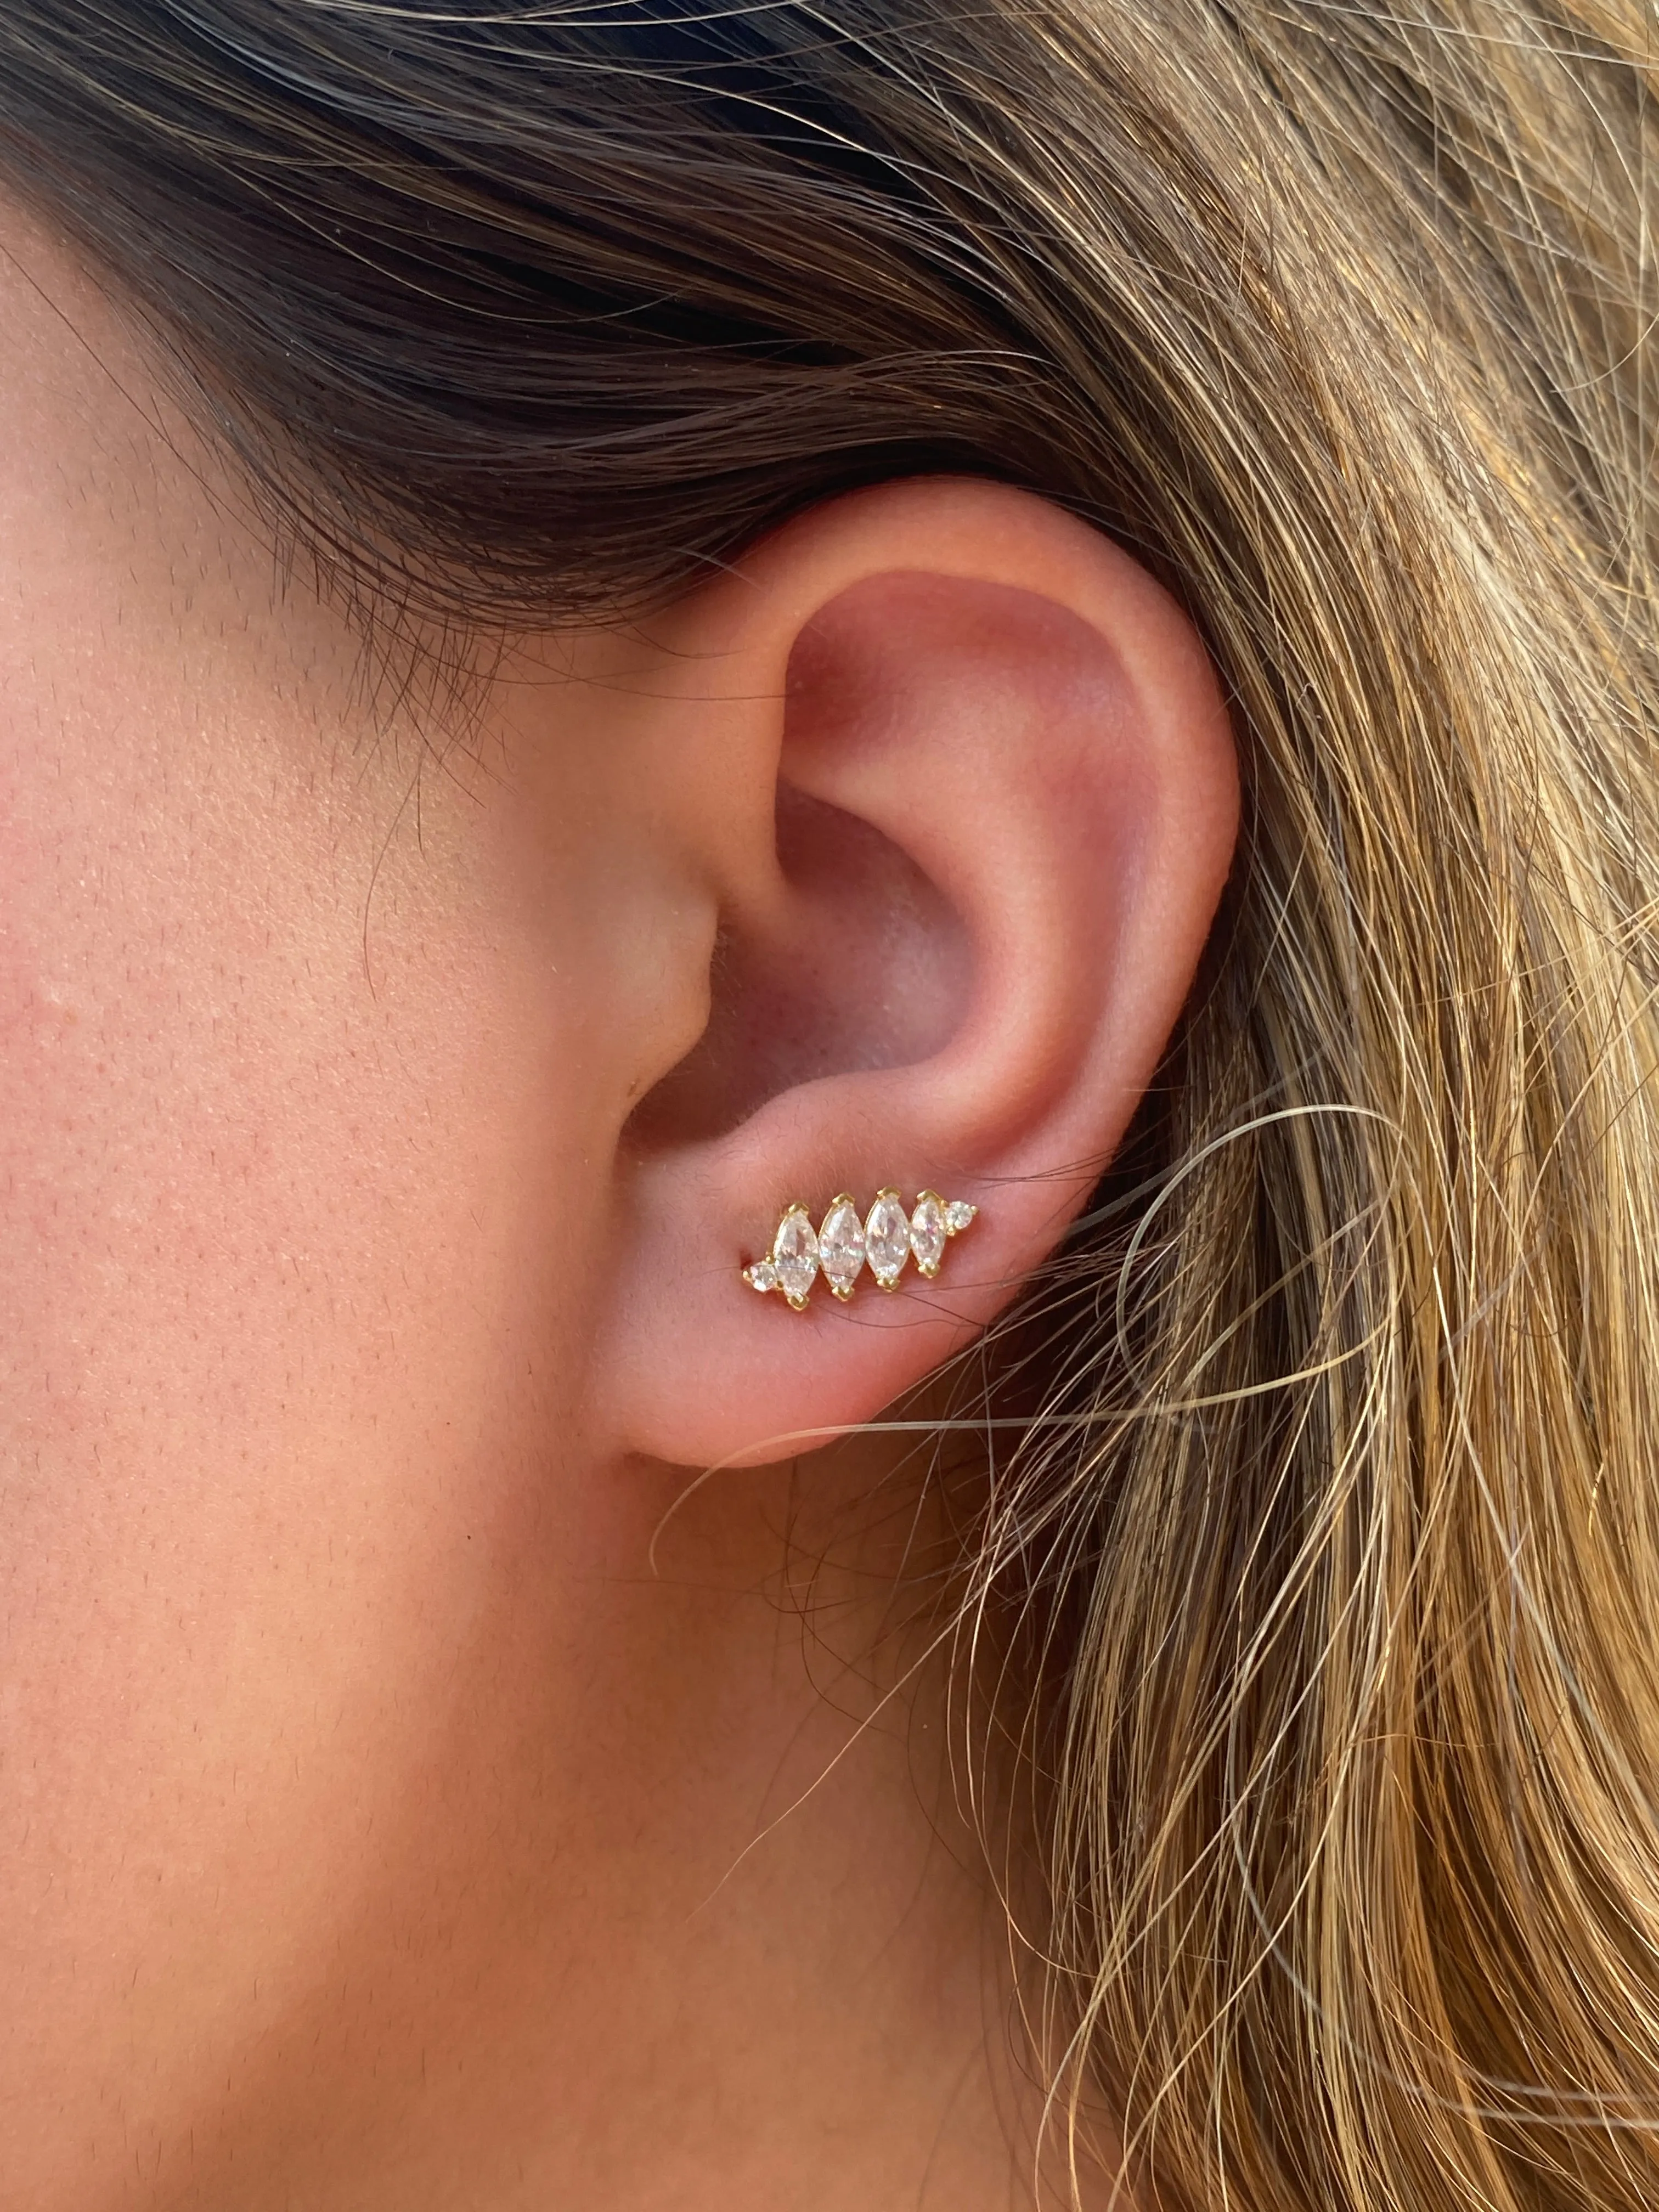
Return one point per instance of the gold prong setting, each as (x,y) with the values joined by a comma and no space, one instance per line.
(844,1248)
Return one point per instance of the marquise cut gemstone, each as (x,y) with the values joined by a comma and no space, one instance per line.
(887,1238)
(795,1255)
(927,1232)
(958,1216)
(840,1247)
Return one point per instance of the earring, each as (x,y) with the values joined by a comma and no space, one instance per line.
(842,1246)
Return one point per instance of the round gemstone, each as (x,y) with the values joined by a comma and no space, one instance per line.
(762,1276)
(795,1255)
(927,1232)
(957,1215)
(840,1247)
(887,1238)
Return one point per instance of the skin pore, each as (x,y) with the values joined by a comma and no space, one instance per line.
(381,1822)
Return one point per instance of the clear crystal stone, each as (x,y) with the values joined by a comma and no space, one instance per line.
(887,1238)
(927,1232)
(840,1247)
(795,1255)
(762,1276)
(957,1215)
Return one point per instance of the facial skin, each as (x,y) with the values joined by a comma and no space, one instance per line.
(381,1825)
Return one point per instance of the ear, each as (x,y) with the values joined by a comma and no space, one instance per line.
(964,798)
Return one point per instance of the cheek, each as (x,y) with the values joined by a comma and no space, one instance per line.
(274,1351)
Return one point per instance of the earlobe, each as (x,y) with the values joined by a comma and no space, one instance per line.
(980,800)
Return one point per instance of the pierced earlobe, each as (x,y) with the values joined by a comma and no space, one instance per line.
(843,1246)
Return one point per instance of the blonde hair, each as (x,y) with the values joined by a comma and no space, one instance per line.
(1336,1504)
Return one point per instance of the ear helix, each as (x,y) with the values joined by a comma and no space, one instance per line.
(843,1245)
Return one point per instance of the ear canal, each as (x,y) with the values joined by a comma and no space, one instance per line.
(861,964)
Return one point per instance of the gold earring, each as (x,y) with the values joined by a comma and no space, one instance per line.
(843,1245)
